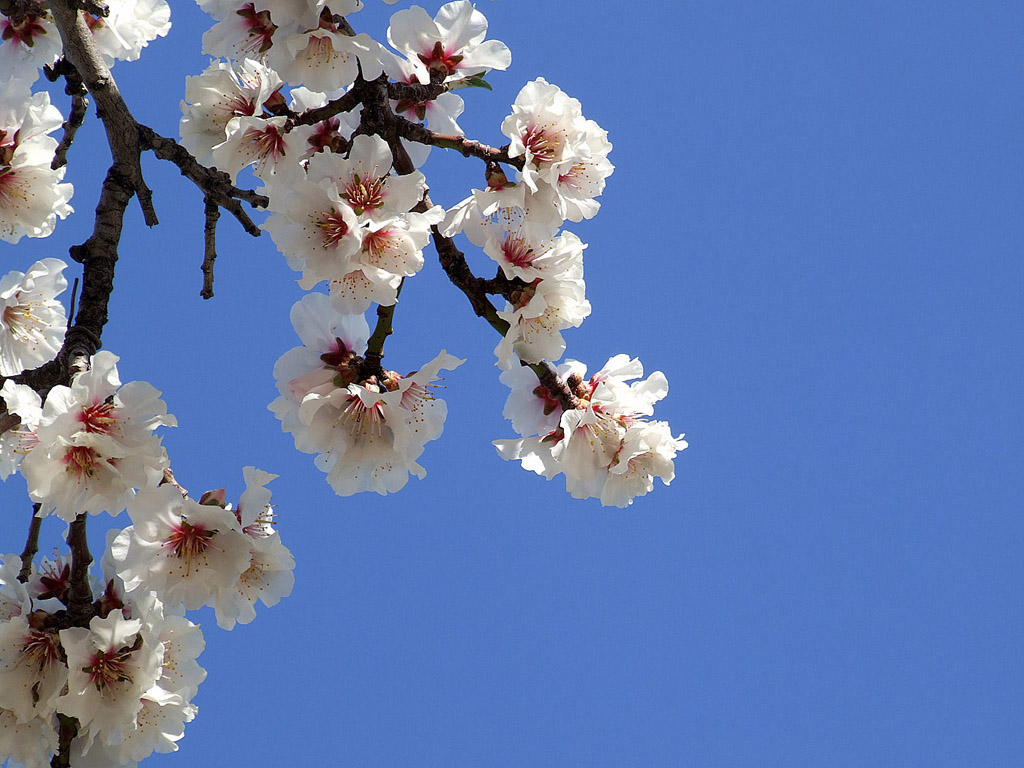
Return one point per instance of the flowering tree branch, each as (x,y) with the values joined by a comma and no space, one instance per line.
(469,148)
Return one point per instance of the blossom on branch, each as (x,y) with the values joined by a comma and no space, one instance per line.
(96,443)
(451,44)
(32,196)
(605,447)
(32,321)
(366,429)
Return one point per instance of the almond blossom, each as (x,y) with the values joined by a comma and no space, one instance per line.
(565,154)
(111,665)
(27,46)
(605,447)
(17,441)
(537,314)
(32,321)
(451,44)
(367,430)
(268,577)
(179,548)
(32,196)
(96,443)
(129,27)
(220,93)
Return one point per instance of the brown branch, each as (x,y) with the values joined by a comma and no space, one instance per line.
(555,384)
(79,107)
(92,7)
(453,262)
(417,93)
(423,135)
(212,213)
(67,730)
(215,184)
(343,103)
(31,545)
(122,131)
(80,608)
(75,88)
(18,10)
(381,331)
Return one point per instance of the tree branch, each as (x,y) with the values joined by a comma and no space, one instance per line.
(31,545)
(212,213)
(75,88)
(423,135)
(215,184)
(343,103)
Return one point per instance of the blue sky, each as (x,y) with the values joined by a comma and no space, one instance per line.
(814,229)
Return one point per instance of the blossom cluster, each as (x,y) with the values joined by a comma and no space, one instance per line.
(350,212)
(128,677)
(344,211)
(604,446)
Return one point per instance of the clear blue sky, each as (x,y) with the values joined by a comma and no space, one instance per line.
(814,229)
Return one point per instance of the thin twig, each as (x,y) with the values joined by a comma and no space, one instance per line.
(343,103)
(212,213)
(31,545)
(468,147)
(214,183)
(74,88)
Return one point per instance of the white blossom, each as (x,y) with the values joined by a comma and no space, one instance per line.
(220,93)
(178,548)
(24,402)
(96,443)
(129,27)
(30,744)
(604,446)
(32,671)
(32,321)
(32,196)
(28,46)
(110,666)
(452,43)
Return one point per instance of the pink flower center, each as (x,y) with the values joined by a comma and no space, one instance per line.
(332,228)
(108,667)
(81,460)
(98,418)
(364,194)
(376,244)
(438,58)
(24,33)
(268,143)
(517,251)
(361,419)
(189,542)
(40,649)
(542,144)
(259,28)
